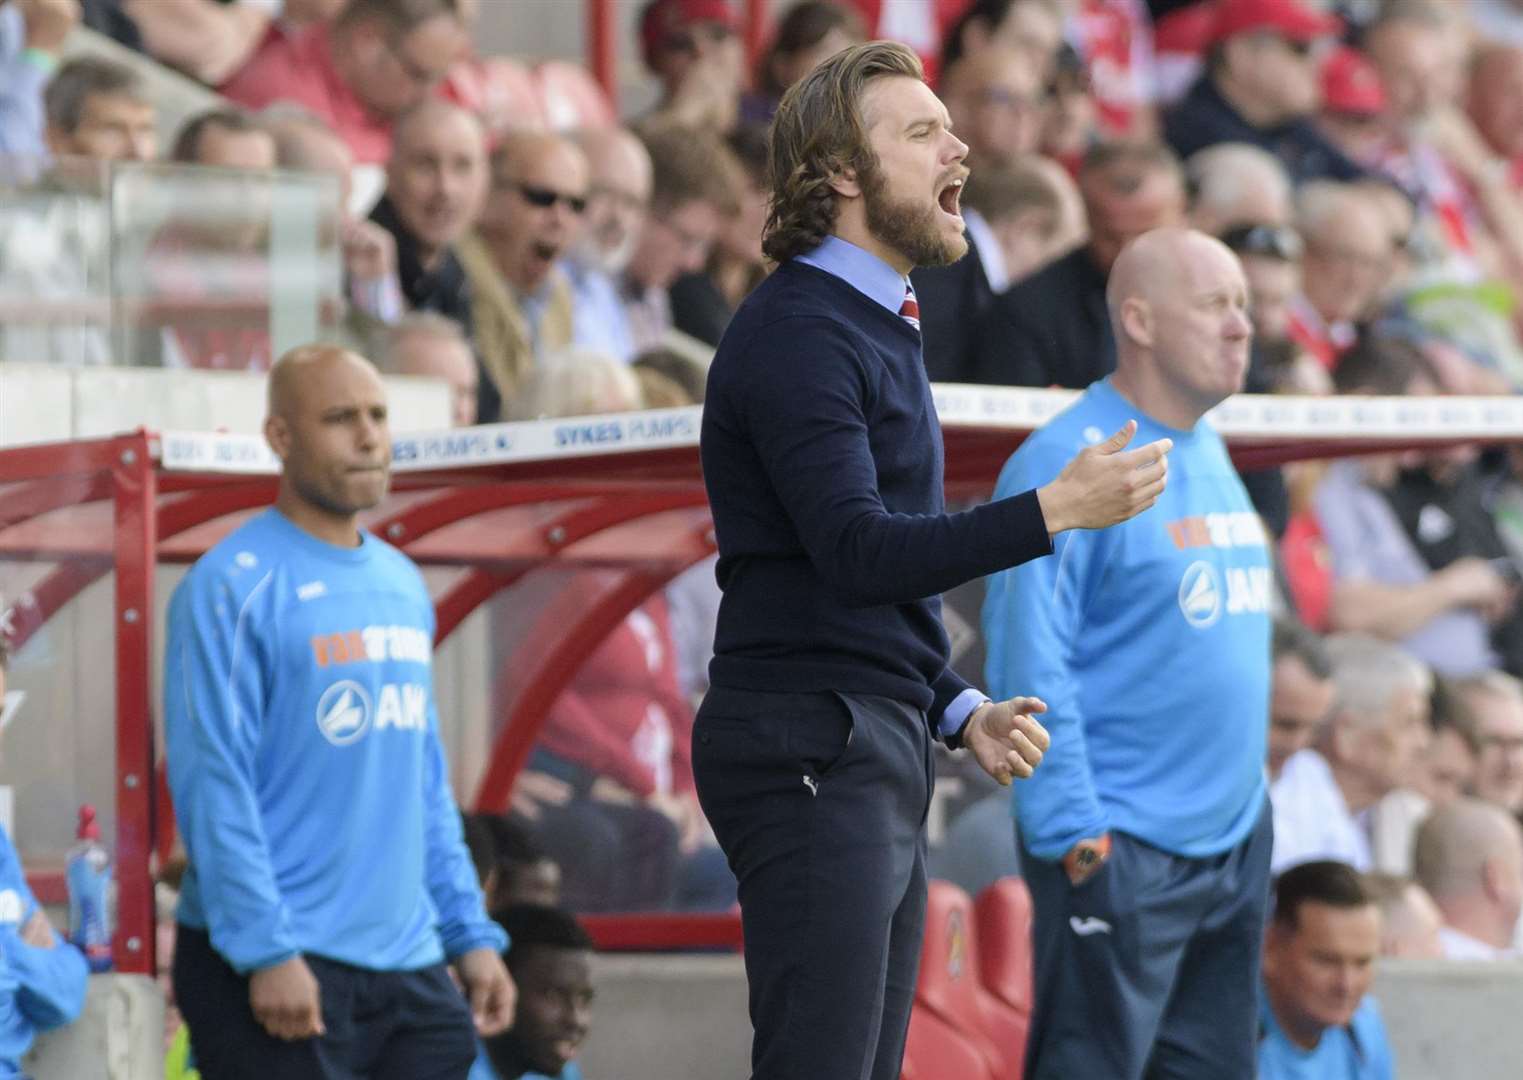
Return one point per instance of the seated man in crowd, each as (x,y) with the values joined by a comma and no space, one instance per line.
(521,303)
(694,49)
(55,240)
(1469,856)
(550,958)
(1236,184)
(1260,87)
(995,98)
(1380,582)
(435,184)
(1301,694)
(42,977)
(1345,269)
(1053,328)
(618,199)
(1317,1019)
(1409,919)
(1495,701)
(427,343)
(197,261)
(1370,745)
(361,72)
(692,185)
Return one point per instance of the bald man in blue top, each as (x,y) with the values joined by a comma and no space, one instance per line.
(328,883)
(1147,828)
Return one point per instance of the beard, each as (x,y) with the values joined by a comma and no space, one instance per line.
(911,228)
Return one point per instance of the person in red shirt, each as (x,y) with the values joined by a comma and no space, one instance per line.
(369,66)
(621,736)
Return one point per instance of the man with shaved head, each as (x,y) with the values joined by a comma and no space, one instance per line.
(1147,830)
(435,184)
(618,200)
(1469,856)
(328,881)
(521,302)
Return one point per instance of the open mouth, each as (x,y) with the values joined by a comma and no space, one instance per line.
(546,252)
(950,197)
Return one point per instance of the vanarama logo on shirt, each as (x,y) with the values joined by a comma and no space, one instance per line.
(375,644)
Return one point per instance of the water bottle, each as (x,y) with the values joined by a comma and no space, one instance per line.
(89,878)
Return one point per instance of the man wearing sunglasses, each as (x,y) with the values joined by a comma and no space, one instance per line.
(1260,87)
(376,61)
(521,301)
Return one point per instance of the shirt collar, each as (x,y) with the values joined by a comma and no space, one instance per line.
(861,269)
(987,249)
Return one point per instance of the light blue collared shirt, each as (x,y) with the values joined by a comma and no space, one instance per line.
(598,318)
(24,73)
(882,284)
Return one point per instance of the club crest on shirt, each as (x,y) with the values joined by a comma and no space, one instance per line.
(1200,595)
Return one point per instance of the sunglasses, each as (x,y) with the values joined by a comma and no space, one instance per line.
(1276,241)
(544,198)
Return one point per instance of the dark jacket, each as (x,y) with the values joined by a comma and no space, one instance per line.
(952,299)
(1204,118)
(1048,329)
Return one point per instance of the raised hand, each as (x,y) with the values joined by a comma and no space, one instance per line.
(1106,484)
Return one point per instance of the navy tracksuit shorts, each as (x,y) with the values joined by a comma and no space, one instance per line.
(1150,969)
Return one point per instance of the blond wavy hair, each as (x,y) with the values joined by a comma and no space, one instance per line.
(818,133)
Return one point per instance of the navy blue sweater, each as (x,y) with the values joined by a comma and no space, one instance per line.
(823,460)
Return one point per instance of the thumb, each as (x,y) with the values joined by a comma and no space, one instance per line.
(1117,442)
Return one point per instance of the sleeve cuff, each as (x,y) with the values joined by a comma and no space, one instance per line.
(485,935)
(956,714)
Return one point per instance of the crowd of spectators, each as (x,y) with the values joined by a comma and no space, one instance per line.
(1364,159)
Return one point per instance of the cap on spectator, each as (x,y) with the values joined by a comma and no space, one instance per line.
(1350,84)
(664,19)
(1292,19)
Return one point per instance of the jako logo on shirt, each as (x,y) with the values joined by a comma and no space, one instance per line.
(345,712)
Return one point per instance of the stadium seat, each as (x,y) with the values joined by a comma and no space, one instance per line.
(935,1050)
(1003,915)
(571,97)
(949,987)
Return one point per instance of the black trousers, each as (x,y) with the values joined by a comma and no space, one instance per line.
(819,802)
(382,1025)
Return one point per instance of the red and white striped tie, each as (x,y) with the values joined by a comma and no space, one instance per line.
(909,311)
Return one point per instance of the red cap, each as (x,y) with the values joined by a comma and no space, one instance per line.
(88,829)
(1350,84)
(663,18)
(1289,18)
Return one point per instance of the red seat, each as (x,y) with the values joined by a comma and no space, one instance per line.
(935,1050)
(572,98)
(949,987)
(1003,914)
(500,91)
